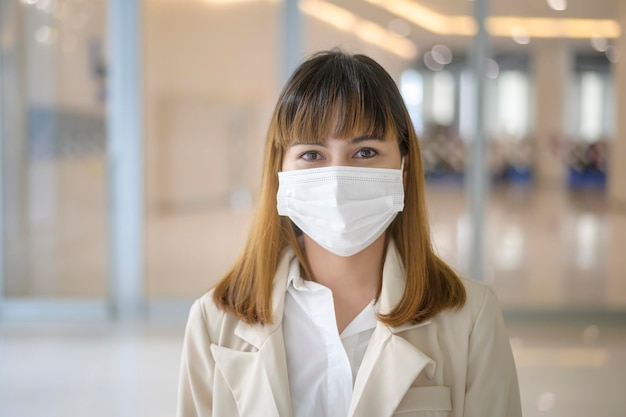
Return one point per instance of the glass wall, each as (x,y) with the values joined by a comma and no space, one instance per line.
(211,76)
(592,129)
(549,227)
(54,166)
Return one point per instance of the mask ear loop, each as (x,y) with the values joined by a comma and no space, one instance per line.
(402,173)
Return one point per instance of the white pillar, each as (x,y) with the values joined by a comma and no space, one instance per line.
(125,145)
(291,37)
(616,285)
(13,143)
(477,171)
(551,70)
(3,14)
(617,162)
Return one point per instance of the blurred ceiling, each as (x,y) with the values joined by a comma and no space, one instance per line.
(576,24)
(515,25)
(584,9)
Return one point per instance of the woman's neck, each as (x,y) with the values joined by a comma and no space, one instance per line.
(353,280)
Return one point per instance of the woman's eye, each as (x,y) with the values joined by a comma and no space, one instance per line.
(310,156)
(366,153)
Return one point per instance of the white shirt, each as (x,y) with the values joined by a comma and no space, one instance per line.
(321,363)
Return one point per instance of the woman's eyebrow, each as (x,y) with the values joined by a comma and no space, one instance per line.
(366,137)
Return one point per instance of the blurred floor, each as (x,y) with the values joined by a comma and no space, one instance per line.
(547,249)
(566,369)
(571,368)
(88,370)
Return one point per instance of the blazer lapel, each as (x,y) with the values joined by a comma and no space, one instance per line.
(391,363)
(389,367)
(259,380)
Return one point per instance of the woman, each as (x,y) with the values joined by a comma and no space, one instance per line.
(338,305)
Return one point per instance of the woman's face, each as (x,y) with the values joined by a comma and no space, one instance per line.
(361,151)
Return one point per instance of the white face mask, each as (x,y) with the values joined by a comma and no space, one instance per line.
(343,209)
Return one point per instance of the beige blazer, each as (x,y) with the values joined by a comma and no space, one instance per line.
(457,364)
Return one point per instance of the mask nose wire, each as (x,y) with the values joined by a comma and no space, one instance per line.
(401,166)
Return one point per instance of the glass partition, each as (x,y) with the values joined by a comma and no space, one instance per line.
(54,149)
(211,76)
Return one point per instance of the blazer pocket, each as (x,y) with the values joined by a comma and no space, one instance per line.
(425,402)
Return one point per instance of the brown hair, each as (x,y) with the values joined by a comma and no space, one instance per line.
(338,95)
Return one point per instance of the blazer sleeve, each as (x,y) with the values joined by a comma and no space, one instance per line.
(195,385)
(492,388)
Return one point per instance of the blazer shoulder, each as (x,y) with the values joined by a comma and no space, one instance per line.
(208,306)
(205,307)
(479,297)
(205,313)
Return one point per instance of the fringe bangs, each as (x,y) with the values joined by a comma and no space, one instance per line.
(335,100)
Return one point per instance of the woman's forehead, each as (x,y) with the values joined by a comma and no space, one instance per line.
(351,132)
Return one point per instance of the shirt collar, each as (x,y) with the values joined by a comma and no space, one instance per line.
(366,320)
(294,279)
(393,283)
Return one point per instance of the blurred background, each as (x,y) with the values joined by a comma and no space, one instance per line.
(131,140)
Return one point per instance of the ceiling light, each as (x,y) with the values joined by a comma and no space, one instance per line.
(520,35)
(612,54)
(558,5)
(431,63)
(341,19)
(365,30)
(538,27)
(442,54)
(428,19)
(493,69)
(599,43)
(442,24)
(400,27)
